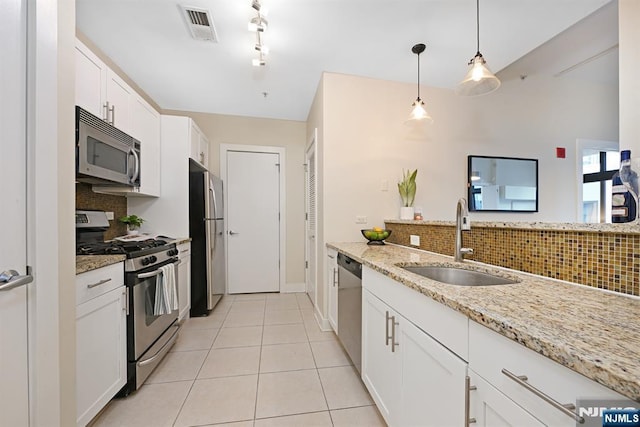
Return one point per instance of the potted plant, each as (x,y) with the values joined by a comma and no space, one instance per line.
(407,190)
(133,223)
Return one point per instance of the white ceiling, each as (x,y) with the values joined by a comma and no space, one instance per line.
(149,40)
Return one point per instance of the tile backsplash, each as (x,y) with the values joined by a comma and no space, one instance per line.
(86,199)
(606,260)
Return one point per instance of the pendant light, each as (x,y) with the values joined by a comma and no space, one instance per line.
(418,112)
(479,79)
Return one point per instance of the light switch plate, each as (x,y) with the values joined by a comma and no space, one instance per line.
(384,185)
(361,219)
(109,216)
(414,240)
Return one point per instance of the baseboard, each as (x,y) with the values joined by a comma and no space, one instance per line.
(292,287)
(322,321)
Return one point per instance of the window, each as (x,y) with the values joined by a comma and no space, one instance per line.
(598,168)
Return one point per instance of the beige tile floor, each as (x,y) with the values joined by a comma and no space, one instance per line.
(257,360)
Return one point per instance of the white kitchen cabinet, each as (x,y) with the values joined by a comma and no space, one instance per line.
(381,367)
(490,408)
(91,81)
(105,94)
(184,280)
(332,286)
(199,146)
(101,339)
(169,214)
(119,102)
(101,91)
(411,377)
(145,127)
(494,356)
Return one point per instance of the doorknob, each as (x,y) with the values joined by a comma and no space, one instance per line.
(231,232)
(11,279)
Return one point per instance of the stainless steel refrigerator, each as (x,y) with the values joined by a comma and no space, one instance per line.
(206,229)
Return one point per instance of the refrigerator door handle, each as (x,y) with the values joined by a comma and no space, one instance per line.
(214,201)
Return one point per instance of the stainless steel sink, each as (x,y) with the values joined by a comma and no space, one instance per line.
(459,276)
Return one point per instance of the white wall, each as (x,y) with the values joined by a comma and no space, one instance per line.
(366,143)
(629,36)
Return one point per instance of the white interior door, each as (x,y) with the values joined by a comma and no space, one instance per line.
(310,229)
(253,222)
(14,388)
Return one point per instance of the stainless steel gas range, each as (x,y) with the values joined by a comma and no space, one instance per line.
(149,335)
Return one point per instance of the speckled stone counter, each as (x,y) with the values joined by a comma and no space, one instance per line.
(86,263)
(590,331)
(547,226)
(181,240)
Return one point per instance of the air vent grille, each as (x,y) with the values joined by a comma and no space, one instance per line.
(199,23)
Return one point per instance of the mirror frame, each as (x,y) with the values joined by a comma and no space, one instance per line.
(470,195)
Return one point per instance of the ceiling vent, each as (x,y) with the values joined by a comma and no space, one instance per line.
(200,23)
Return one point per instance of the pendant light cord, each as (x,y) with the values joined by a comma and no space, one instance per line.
(478,25)
(418,76)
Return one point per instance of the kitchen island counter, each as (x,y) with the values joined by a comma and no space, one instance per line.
(593,332)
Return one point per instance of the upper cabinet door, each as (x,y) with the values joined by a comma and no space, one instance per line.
(145,127)
(91,81)
(120,99)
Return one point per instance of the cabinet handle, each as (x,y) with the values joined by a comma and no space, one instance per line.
(126,300)
(565,408)
(101,282)
(335,278)
(386,328)
(393,334)
(113,115)
(105,108)
(467,401)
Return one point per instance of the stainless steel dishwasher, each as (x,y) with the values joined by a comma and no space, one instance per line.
(350,307)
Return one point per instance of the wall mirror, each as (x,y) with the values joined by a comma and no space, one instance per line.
(502,184)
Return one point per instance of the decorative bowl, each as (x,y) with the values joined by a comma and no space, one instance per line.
(375,237)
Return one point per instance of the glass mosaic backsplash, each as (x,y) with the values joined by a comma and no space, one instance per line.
(606,260)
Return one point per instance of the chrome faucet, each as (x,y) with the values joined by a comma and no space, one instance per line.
(462,223)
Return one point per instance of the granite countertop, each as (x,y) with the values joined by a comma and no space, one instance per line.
(86,263)
(180,240)
(628,228)
(592,332)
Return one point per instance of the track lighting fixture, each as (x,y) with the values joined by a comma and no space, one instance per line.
(259,25)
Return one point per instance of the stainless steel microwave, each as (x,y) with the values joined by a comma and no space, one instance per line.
(104,154)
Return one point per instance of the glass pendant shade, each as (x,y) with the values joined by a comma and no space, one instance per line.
(419,113)
(479,80)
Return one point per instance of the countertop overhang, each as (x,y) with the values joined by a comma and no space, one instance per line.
(593,332)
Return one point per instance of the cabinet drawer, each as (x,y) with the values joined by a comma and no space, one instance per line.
(490,353)
(184,250)
(97,282)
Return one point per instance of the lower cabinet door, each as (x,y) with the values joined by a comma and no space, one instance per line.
(101,352)
(490,408)
(433,380)
(381,367)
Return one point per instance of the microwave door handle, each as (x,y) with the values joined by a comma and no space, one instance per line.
(136,171)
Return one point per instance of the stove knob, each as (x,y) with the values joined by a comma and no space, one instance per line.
(145,261)
(153,258)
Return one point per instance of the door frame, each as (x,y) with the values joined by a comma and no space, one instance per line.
(309,151)
(224,149)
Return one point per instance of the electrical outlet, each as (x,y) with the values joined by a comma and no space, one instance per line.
(384,185)
(361,219)
(109,216)
(414,240)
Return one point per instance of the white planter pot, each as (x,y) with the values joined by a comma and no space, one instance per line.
(133,232)
(406,212)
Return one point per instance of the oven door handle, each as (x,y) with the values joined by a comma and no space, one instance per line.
(153,273)
(160,352)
